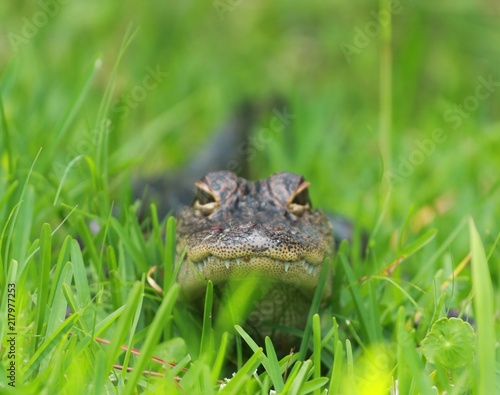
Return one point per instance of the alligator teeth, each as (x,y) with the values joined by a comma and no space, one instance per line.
(201,265)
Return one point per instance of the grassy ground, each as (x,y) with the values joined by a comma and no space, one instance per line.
(395,125)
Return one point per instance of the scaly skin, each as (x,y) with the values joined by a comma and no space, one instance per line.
(266,230)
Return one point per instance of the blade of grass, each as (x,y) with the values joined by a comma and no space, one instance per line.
(364,314)
(336,376)
(60,265)
(404,228)
(297,383)
(243,374)
(492,248)
(427,265)
(101,271)
(374,309)
(318,295)
(88,241)
(132,336)
(157,237)
(129,243)
(191,382)
(45,348)
(122,329)
(385,79)
(248,340)
(317,348)
(110,87)
(314,385)
(169,252)
(81,281)
(219,359)
(126,270)
(484,311)
(338,278)
(274,369)
(100,328)
(115,284)
(410,365)
(101,123)
(74,109)
(24,226)
(7,142)
(106,322)
(254,347)
(13,217)
(43,280)
(64,175)
(154,131)
(58,307)
(179,366)
(162,316)
(82,290)
(350,364)
(419,243)
(207,334)
(7,195)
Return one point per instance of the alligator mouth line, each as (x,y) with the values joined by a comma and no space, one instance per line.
(250,260)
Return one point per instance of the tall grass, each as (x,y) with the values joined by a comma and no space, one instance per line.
(79,124)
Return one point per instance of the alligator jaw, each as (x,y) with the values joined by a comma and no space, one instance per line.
(298,274)
(255,262)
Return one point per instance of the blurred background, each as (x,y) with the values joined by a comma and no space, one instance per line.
(161,79)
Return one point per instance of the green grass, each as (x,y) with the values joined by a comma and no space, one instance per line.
(96,94)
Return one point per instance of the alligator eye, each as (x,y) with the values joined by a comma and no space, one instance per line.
(299,202)
(203,197)
(206,201)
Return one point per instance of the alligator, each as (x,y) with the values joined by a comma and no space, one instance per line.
(229,209)
(265,230)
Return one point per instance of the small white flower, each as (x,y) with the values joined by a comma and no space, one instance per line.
(226,381)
